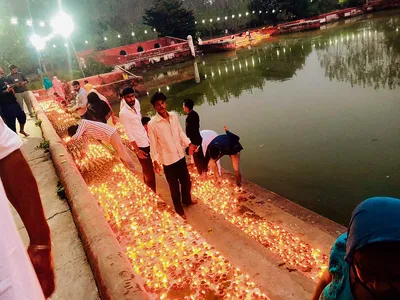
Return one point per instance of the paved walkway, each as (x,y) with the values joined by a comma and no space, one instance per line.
(74,278)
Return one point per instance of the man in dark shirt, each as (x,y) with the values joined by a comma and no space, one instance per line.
(226,144)
(21,91)
(9,107)
(193,133)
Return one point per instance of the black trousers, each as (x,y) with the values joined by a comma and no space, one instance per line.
(11,113)
(179,183)
(149,177)
(200,161)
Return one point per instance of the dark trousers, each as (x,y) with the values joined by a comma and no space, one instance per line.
(11,113)
(149,177)
(200,161)
(178,174)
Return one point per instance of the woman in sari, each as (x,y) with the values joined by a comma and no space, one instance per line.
(365,262)
(58,87)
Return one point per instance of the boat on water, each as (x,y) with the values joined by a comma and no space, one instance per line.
(218,46)
(298,26)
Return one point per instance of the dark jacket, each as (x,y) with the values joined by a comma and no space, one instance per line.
(193,128)
(6,98)
(228,143)
(97,111)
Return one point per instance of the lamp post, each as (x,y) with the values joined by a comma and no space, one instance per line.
(63,25)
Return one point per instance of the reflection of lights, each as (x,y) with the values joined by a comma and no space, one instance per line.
(226,70)
(397,30)
(219,72)
(246,63)
(240,15)
(254,11)
(260,12)
(240,66)
(62,24)
(284,50)
(273,11)
(252,61)
(212,74)
(154,30)
(29,23)
(145,32)
(205,76)
(159,89)
(218,18)
(38,42)
(247,13)
(14,21)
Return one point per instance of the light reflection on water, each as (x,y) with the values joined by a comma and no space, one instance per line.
(318,112)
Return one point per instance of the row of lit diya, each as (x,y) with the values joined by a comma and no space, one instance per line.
(172,259)
(120,205)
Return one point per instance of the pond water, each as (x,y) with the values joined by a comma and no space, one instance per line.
(318,113)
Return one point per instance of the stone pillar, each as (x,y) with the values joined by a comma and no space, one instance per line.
(191,45)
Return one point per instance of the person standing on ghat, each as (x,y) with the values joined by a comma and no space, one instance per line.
(19,81)
(81,98)
(225,144)
(167,144)
(11,111)
(18,280)
(131,119)
(193,133)
(102,132)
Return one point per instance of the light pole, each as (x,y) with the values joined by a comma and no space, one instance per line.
(63,25)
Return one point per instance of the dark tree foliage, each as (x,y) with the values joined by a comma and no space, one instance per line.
(169,18)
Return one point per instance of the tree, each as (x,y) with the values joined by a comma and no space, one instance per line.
(169,18)
(284,9)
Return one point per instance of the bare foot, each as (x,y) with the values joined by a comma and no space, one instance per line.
(194,202)
(24,133)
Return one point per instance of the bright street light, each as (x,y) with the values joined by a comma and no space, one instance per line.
(247,13)
(42,24)
(218,19)
(145,31)
(203,21)
(233,16)
(133,34)
(119,36)
(29,23)
(226,18)
(54,46)
(105,38)
(62,24)
(66,45)
(211,20)
(38,42)
(240,15)
(86,42)
(14,20)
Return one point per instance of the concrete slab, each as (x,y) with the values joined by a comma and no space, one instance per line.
(74,278)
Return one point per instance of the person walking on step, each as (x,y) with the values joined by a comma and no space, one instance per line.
(193,133)
(131,119)
(167,144)
(102,132)
(10,109)
(226,144)
(19,82)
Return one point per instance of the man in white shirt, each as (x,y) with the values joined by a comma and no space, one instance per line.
(18,280)
(131,119)
(102,132)
(81,98)
(167,146)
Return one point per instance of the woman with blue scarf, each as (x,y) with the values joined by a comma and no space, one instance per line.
(365,261)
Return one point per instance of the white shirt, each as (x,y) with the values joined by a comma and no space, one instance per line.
(167,139)
(9,140)
(81,101)
(18,279)
(208,136)
(131,119)
(97,130)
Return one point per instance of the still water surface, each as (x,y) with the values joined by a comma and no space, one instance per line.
(318,113)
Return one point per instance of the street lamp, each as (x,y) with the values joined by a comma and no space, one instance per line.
(14,21)
(62,24)
(29,23)
(41,23)
(38,42)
